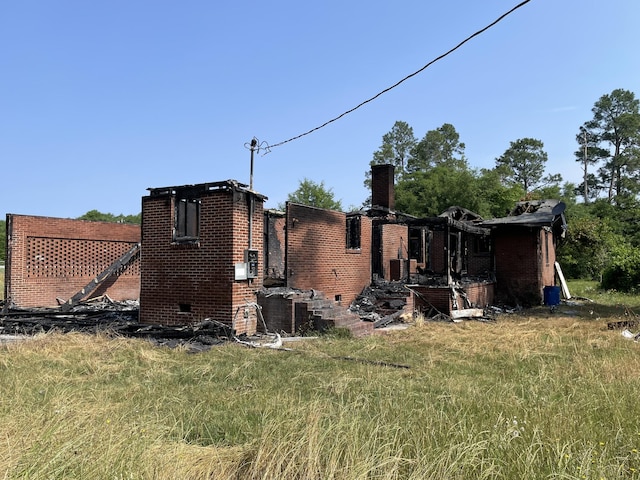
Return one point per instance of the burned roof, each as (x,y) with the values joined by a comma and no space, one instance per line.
(456,217)
(461,214)
(202,188)
(533,213)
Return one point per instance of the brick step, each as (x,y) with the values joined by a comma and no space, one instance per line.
(325,314)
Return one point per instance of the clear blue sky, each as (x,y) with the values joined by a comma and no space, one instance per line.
(100,100)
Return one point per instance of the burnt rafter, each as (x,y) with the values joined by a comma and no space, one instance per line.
(441,222)
(112,269)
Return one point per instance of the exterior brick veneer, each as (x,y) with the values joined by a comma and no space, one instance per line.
(54,258)
(317,255)
(525,258)
(184,283)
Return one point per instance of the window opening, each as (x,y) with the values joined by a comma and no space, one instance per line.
(417,244)
(187,220)
(353,232)
(481,244)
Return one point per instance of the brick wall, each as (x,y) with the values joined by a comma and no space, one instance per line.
(278,312)
(50,258)
(383,186)
(317,257)
(480,294)
(393,241)
(184,283)
(523,267)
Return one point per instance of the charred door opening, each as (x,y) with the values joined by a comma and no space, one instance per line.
(376,251)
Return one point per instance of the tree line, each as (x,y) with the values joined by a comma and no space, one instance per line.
(433,173)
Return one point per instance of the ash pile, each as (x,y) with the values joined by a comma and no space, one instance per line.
(383,303)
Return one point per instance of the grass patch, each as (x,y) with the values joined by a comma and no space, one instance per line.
(540,394)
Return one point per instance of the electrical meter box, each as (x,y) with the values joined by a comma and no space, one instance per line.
(251,259)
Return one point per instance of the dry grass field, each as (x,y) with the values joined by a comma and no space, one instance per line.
(536,394)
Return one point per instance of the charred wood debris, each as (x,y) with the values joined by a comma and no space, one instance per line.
(102,315)
(383,303)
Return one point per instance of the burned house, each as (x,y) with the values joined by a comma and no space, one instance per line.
(524,244)
(445,262)
(456,263)
(211,252)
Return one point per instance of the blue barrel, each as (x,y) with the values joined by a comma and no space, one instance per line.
(551,295)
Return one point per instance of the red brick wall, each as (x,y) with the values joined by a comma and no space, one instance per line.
(522,269)
(187,283)
(480,295)
(317,256)
(50,258)
(393,240)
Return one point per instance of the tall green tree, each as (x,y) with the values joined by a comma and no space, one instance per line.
(441,146)
(494,197)
(615,132)
(523,163)
(429,193)
(396,149)
(587,249)
(589,155)
(314,194)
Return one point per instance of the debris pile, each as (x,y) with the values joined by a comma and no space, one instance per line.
(103,315)
(382,303)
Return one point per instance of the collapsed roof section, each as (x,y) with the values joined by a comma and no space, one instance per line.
(454,218)
(534,213)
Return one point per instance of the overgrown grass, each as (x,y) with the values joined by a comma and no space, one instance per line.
(537,395)
(591,290)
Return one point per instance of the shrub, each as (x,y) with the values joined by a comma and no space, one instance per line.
(623,273)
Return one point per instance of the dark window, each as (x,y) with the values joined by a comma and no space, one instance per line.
(353,233)
(481,244)
(187,220)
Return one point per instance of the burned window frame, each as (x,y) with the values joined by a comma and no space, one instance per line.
(353,228)
(186,225)
(482,245)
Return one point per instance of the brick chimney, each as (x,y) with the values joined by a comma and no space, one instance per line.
(382,186)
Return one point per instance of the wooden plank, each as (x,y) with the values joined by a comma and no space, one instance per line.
(563,282)
(466,313)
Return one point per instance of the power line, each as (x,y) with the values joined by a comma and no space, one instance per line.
(268,147)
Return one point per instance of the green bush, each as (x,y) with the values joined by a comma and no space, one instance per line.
(623,273)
